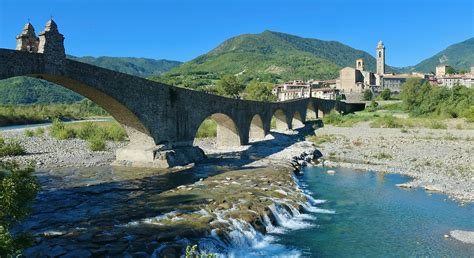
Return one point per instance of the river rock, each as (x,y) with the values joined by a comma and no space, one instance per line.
(463,236)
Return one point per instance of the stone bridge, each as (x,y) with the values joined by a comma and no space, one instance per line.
(161,120)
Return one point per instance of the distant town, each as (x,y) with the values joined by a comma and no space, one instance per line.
(352,82)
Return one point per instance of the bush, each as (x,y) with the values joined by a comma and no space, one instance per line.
(87,130)
(437,125)
(332,118)
(29,133)
(18,188)
(368,95)
(207,129)
(96,143)
(372,106)
(385,94)
(39,131)
(386,122)
(116,133)
(11,148)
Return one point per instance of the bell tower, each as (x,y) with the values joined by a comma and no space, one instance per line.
(360,64)
(380,58)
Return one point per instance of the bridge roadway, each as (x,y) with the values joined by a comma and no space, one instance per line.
(162,120)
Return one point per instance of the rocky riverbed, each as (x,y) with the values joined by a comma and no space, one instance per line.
(45,151)
(102,210)
(437,159)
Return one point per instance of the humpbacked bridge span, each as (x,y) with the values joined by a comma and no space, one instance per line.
(161,120)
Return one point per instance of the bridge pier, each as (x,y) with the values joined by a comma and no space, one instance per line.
(160,156)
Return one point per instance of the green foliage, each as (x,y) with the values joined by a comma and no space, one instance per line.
(96,143)
(317,140)
(261,91)
(18,188)
(385,94)
(29,133)
(333,118)
(387,121)
(96,134)
(460,56)
(142,67)
(267,57)
(421,99)
(39,131)
(26,90)
(10,148)
(207,129)
(230,86)
(368,95)
(26,114)
(435,124)
(372,106)
(193,252)
(60,132)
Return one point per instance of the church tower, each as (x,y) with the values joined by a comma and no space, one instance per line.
(380,58)
(360,64)
(27,40)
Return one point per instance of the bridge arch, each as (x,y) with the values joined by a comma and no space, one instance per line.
(310,112)
(139,136)
(257,131)
(227,132)
(281,120)
(297,120)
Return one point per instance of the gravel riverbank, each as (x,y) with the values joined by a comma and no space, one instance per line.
(438,159)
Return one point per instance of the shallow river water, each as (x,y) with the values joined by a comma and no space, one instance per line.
(375,218)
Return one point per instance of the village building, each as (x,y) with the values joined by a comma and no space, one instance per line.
(300,89)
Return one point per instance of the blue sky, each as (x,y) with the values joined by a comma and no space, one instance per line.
(181,30)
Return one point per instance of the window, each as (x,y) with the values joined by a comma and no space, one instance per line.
(380,53)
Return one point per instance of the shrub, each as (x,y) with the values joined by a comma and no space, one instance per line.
(116,133)
(435,124)
(386,122)
(39,131)
(372,106)
(64,134)
(385,94)
(87,130)
(207,129)
(11,148)
(18,188)
(96,143)
(368,94)
(333,118)
(29,133)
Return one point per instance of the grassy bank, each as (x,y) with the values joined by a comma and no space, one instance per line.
(95,133)
(30,114)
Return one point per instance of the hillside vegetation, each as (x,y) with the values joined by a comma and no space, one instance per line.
(460,56)
(268,56)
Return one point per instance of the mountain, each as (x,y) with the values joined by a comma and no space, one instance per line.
(460,56)
(143,67)
(25,90)
(274,55)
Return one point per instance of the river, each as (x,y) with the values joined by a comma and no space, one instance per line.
(374,218)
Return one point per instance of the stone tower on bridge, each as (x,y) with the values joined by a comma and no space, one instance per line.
(50,41)
(380,58)
(27,40)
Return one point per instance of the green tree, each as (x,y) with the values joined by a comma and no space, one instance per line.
(450,70)
(368,94)
(230,86)
(18,188)
(385,95)
(261,91)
